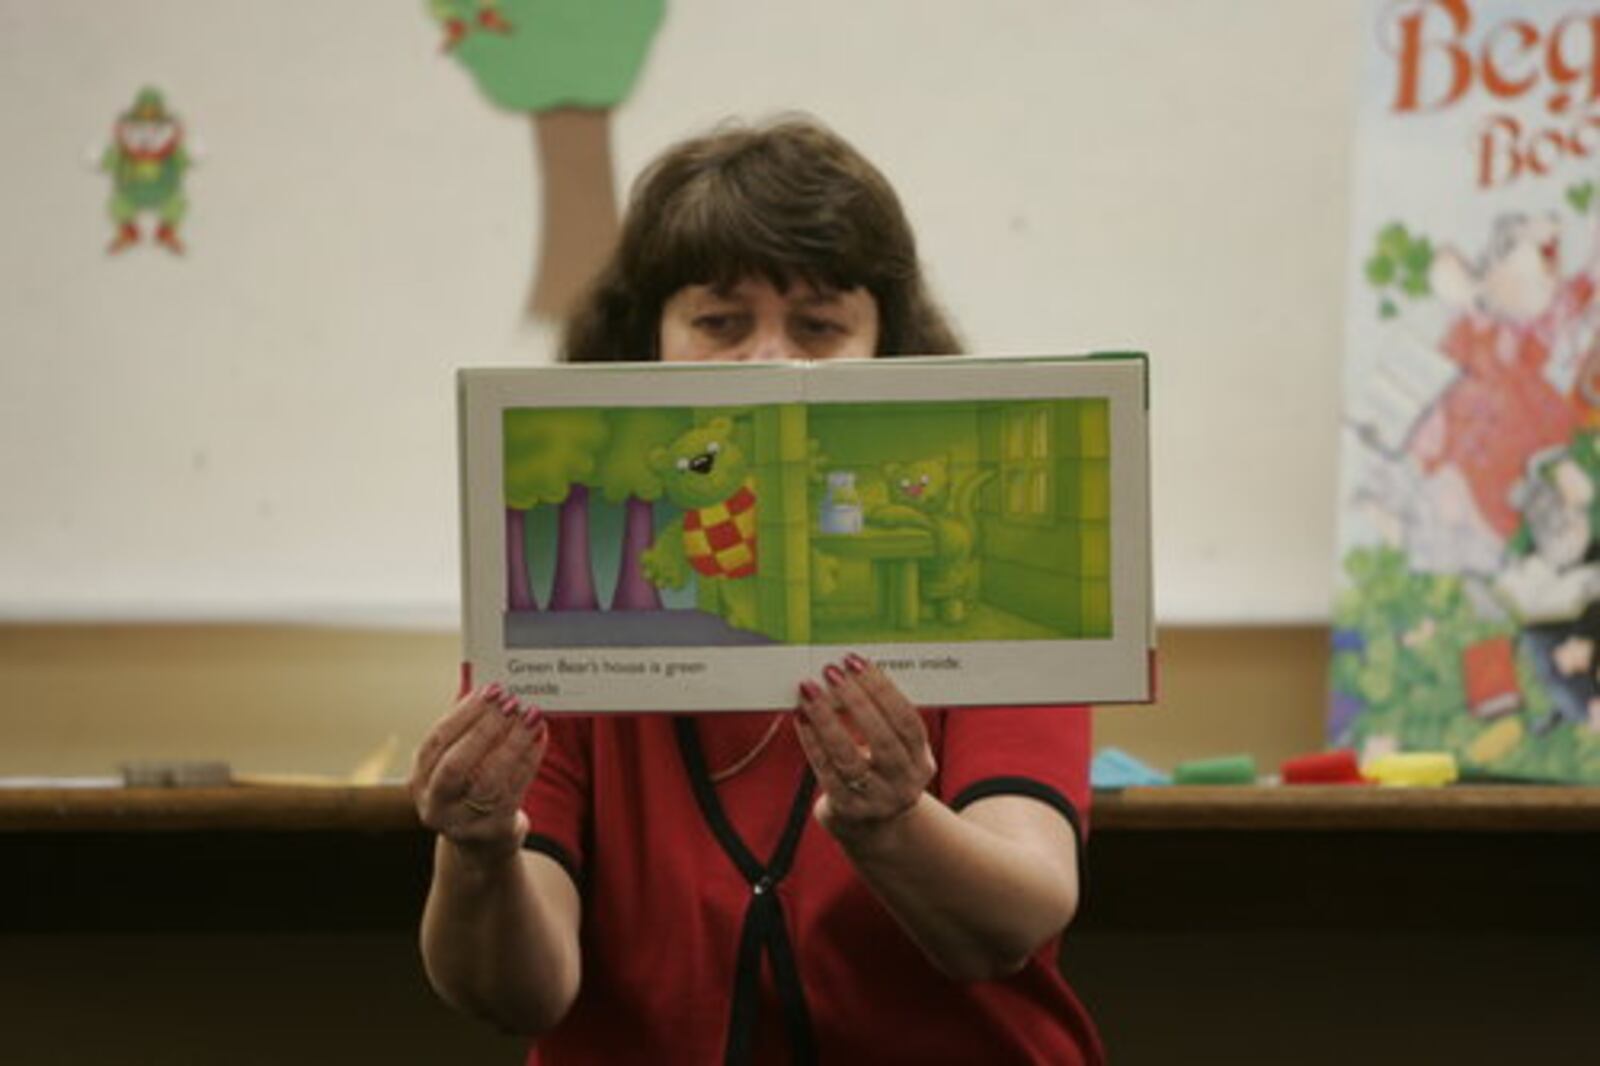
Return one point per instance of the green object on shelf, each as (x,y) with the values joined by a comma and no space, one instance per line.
(1221,770)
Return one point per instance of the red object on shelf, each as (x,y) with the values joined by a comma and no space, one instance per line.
(1323,768)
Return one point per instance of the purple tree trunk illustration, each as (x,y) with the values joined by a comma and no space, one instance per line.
(574,584)
(633,592)
(519,582)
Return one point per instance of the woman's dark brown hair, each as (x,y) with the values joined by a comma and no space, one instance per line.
(788,202)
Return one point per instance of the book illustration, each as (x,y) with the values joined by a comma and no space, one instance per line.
(707,476)
(147,162)
(807,524)
(921,496)
(1468,604)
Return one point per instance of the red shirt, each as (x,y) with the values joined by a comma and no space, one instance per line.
(685,962)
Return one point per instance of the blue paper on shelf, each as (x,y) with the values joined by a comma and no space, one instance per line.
(1115,768)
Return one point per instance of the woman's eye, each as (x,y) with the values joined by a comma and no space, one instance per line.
(718,324)
(818,327)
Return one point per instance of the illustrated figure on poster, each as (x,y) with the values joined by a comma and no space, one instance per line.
(147,162)
(1521,340)
(1515,341)
(1553,579)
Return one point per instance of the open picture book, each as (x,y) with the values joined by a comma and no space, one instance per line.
(700,537)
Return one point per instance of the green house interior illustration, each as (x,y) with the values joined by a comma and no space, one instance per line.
(939,521)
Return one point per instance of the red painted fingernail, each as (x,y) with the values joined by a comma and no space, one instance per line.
(533,717)
(494,692)
(510,705)
(855,663)
(834,675)
(810,691)
(464,684)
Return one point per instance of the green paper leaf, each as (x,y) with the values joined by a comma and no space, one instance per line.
(1393,241)
(1415,285)
(1418,258)
(1581,196)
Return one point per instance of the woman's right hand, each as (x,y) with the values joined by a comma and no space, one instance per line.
(472,769)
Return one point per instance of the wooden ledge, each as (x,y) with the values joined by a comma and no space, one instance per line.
(379,808)
(1460,808)
(387,808)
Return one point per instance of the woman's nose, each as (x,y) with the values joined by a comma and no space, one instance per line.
(770,344)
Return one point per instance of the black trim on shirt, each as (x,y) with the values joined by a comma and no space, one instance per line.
(544,845)
(1049,795)
(1019,786)
(764,929)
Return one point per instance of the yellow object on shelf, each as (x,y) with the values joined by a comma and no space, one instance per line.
(1412,769)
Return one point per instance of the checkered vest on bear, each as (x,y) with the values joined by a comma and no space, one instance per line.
(720,540)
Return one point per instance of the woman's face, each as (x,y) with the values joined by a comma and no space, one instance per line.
(754,322)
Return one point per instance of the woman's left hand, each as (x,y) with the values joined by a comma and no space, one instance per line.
(868,746)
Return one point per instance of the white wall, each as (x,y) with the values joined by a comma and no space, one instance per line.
(265,428)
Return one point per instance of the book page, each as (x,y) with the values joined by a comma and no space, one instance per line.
(673,538)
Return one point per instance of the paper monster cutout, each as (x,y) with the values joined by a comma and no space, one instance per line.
(567,63)
(147,162)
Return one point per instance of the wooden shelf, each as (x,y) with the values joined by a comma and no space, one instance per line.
(1250,859)
(381,808)
(387,808)
(1461,808)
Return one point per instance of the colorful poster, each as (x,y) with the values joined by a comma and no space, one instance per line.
(700,538)
(1468,607)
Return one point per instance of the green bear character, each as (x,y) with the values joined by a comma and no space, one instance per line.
(705,473)
(147,161)
(921,496)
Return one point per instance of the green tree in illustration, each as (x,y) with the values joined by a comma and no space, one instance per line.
(623,475)
(567,63)
(550,459)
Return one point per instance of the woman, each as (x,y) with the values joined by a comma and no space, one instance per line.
(856,880)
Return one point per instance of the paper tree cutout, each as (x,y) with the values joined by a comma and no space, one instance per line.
(567,63)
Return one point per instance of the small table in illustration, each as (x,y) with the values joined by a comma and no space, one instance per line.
(895,555)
